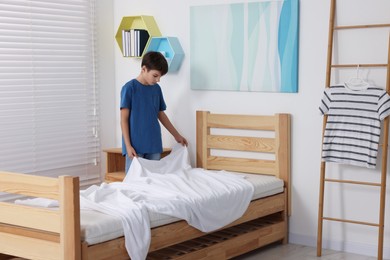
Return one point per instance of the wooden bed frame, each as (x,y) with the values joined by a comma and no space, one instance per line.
(37,233)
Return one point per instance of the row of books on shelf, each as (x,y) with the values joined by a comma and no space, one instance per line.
(134,42)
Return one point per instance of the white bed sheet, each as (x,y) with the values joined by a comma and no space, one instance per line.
(97,227)
(173,187)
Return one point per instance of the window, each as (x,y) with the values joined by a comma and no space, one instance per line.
(48,95)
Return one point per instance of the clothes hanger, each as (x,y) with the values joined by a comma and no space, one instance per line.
(356,83)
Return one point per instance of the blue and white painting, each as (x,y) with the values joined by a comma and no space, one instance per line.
(245,46)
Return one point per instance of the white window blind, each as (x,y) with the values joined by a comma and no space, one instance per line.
(48,96)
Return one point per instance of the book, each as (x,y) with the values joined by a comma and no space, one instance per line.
(143,40)
(132,42)
(124,43)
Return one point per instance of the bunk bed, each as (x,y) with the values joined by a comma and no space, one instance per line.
(44,233)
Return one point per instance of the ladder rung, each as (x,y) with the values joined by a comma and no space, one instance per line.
(354,182)
(361,26)
(352,221)
(360,65)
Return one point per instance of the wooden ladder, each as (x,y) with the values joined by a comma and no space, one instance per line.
(323,179)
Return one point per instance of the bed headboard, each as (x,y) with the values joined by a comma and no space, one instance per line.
(278,145)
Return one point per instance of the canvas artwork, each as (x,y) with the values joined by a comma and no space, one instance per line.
(245,46)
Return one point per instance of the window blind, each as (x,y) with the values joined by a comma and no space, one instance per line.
(48,95)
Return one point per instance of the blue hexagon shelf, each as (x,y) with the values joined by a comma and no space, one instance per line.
(170,48)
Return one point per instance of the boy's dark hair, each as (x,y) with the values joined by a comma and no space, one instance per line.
(154,60)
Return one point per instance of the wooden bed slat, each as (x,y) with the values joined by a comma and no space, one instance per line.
(29,185)
(54,237)
(30,217)
(249,122)
(242,165)
(241,143)
(27,247)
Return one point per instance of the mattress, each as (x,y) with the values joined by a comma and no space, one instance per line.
(98,227)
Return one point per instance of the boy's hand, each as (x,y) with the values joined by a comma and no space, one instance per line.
(131,152)
(182,140)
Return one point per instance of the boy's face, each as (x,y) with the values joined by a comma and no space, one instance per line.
(150,77)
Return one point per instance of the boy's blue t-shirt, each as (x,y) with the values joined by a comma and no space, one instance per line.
(144,103)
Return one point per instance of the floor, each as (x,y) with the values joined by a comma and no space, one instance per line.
(298,252)
(293,252)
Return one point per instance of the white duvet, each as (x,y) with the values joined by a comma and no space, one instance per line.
(207,200)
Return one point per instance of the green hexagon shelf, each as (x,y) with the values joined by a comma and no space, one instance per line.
(144,22)
(170,47)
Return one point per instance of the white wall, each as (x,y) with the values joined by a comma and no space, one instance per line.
(172,18)
(106,76)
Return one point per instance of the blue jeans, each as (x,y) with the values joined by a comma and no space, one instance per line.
(149,156)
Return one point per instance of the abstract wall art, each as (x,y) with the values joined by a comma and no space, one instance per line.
(245,46)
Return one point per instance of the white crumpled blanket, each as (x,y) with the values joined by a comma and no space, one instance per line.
(207,200)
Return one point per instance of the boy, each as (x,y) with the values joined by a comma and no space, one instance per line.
(142,107)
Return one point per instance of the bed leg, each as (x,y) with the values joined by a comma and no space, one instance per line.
(285,215)
(84,251)
(285,239)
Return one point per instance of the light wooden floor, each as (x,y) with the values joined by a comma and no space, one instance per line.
(298,252)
